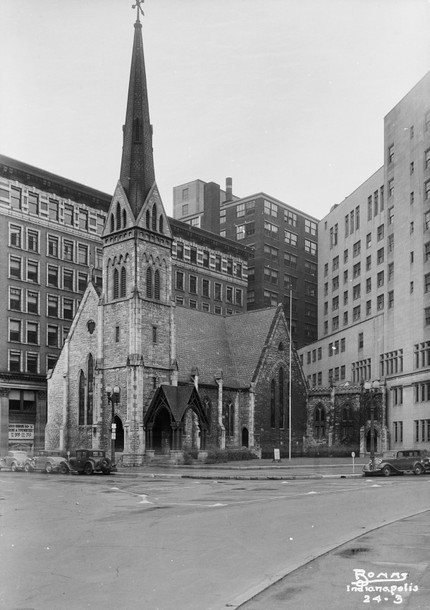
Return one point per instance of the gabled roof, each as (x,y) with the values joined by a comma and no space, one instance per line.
(212,343)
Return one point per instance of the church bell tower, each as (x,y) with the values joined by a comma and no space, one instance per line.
(136,308)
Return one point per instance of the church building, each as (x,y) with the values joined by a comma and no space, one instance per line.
(153,376)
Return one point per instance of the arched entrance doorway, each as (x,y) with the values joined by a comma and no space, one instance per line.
(245,437)
(162,431)
(119,441)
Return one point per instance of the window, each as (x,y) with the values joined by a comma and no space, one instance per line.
(68,279)
(193,284)
(291,218)
(380,302)
(32,332)
(15,330)
(52,306)
(32,241)
(154,334)
(205,259)
(310,247)
(14,365)
(53,209)
(205,288)
(83,254)
(270,208)
(52,246)
(68,215)
(240,232)
(240,210)
(68,250)
(33,271)
(356,291)
(217,292)
(290,260)
(193,255)
(311,269)
(380,232)
(356,249)
(229,266)
(271,253)
(68,309)
(15,198)
(222,216)
(380,256)
(52,335)
(380,279)
(391,187)
(356,270)
(15,267)
(238,296)
(32,363)
(391,242)
(390,299)
(270,275)
(356,313)
(271,230)
(290,282)
(117,334)
(15,302)
(311,227)
(52,279)
(334,235)
(271,299)
(229,294)
(15,236)
(83,220)
(83,279)
(179,280)
(390,154)
(33,203)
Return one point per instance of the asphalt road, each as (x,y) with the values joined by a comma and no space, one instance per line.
(160,543)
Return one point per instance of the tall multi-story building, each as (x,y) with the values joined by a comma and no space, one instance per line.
(284,242)
(374,280)
(50,231)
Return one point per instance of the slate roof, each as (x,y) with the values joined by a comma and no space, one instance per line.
(211,343)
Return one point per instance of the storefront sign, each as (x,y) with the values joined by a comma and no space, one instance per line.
(21,431)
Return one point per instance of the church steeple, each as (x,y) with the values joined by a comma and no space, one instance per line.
(137,165)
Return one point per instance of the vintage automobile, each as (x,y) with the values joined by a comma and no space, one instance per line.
(15,460)
(49,461)
(88,461)
(398,462)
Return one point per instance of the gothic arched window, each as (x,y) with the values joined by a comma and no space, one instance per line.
(281,397)
(124,219)
(149,283)
(148,219)
(157,285)
(160,224)
(228,417)
(118,216)
(115,284)
(154,217)
(112,223)
(81,399)
(90,390)
(272,404)
(319,422)
(123,282)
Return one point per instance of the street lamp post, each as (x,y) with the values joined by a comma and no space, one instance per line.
(113,398)
(372,389)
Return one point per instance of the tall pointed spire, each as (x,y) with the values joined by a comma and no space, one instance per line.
(137,165)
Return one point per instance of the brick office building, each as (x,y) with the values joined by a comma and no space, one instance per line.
(283,240)
(182,377)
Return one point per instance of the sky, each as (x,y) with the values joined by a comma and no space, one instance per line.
(287,97)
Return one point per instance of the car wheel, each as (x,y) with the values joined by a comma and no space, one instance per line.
(48,467)
(64,469)
(418,469)
(27,467)
(386,471)
(88,468)
(13,467)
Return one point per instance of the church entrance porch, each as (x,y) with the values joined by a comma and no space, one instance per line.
(175,421)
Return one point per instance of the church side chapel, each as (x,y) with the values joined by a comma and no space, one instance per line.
(166,379)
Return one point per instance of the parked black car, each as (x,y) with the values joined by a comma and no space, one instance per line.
(88,461)
(398,462)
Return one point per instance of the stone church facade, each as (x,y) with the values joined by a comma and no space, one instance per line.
(183,379)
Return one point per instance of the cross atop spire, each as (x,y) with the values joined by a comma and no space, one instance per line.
(139,8)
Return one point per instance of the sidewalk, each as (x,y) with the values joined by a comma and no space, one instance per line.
(296,468)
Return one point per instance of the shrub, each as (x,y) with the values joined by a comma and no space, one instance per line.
(220,456)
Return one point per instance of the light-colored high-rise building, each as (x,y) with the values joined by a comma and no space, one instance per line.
(374,280)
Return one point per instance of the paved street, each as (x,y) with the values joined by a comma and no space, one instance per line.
(169,543)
